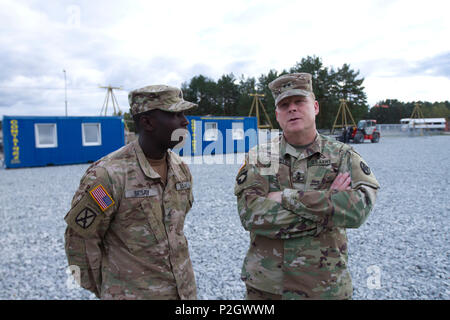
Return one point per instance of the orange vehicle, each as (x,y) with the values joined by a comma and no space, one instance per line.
(365,130)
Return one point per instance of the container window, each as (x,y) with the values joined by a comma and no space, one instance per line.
(45,134)
(211,132)
(237,129)
(91,134)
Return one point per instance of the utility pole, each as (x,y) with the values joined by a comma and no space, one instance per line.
(255,104)
(110,93)
(65,89)
(417,114)
(343,112)
(104,110)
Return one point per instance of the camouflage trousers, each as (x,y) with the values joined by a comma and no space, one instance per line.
(255,294)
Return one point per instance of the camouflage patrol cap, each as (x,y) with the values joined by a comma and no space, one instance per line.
(293,84)
(161,97)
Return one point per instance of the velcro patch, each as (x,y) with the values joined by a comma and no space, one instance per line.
(183,185)
(101,196)
(319,162)
(141,193)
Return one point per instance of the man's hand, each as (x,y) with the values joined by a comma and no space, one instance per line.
(275,196)
(342,182)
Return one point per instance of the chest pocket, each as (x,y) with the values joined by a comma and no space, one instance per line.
(154,214)
(177,204)
(321,176)
(141,226)
(282,179)
(180,199)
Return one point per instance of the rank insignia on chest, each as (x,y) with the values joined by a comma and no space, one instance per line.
(101,197)
(298,177)
(183,185)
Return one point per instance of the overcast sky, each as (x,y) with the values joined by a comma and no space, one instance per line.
(401,48)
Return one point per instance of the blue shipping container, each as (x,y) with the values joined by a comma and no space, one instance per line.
(210,135)
(31,141)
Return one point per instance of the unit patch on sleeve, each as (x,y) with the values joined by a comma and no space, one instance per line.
(101,196)
(85,218)
(242,177)
(364,168)
(361,174)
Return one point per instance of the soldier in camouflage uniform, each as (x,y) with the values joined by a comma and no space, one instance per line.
(125,226)
(296,196)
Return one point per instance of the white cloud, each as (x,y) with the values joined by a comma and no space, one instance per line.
(135,43)
(407,89)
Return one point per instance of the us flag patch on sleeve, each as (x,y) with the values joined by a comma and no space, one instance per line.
(102,197)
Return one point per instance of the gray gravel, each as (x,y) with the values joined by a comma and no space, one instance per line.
(401,252)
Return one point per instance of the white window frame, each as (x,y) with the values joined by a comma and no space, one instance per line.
(237,133)
(55,135)
(211,134)
(83,137)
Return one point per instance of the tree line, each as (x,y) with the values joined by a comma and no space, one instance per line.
(392,110)
(230,95)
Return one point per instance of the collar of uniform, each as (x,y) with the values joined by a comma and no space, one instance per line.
(174,166)
(286,148)
(143,162)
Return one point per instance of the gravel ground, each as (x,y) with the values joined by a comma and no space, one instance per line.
(401,252)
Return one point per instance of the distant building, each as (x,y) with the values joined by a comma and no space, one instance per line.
(31,141)
(40,141)
(432,124)
(210,135)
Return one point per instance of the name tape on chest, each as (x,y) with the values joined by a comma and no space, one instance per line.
(319,162)
(140,193)
(101,196)
(183,185)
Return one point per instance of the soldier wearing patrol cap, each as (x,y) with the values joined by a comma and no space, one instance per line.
(125,226)
(297,216)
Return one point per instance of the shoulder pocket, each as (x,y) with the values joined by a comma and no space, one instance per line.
(248,177)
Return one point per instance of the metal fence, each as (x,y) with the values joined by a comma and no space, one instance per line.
(390,129)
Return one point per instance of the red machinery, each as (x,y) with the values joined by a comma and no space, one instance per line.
(365,130)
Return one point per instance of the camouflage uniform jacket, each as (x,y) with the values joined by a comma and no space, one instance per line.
(129,242)
(298,249)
